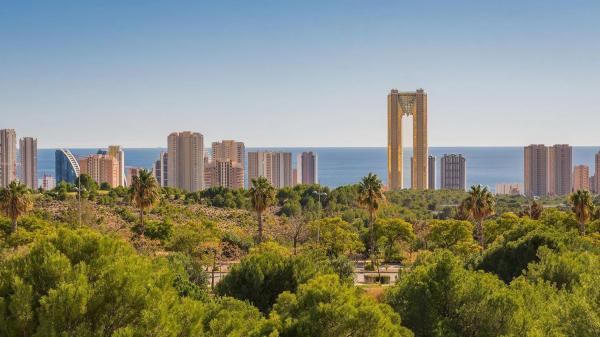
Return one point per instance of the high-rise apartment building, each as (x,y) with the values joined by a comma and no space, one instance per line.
(48,182)
(28,159)
(161,169)
(66,167)
(431,173)
(186,161)
(453,169)
(536,170)
(103,168)
(229,150)
(581,178)
(8,156)
(131,172)
(118,153)
(275,166)
(560,169)
(225,173)
(227,165)
(509,189)
(410,104)
(307,168)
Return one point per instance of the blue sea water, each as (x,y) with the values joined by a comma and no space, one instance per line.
(341,166)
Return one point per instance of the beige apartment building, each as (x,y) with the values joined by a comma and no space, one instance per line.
(28,160)
(186,161)
(307,168)
(8,156)
(103,168)
(431,173)
(118,153)
(225,173)
(226,168)
(581,178)
(275,166)
(509,189)
(536,170)
(402,104)
(560,169)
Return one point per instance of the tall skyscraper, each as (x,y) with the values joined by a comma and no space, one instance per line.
(560,169)
(536,170)
(275,166)
(66,167)
(453,169)
(229,150)
(48,182)
(28,158)
(224,173)
(509,189)
(581,178)
(410,104)
(186,161)
(307,167)
(161,169)
(117,152)
(8,156)
(227,165)
(103,168)
(431,173)
(597,173)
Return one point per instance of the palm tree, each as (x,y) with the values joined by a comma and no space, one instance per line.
(14,202)
(262,195)
(370,195)
(583,206)
(480,205)
(145,193)
(535,210)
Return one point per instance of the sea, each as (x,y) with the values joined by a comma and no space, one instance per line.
(339,166)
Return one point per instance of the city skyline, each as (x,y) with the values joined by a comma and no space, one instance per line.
(177,71)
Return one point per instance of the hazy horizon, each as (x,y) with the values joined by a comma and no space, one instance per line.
(301,74)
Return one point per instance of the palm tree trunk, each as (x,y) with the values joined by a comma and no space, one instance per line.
(14,225)
(260,227)
(581,227)
(214,266)
(371,233)
(480,234)
(142,220)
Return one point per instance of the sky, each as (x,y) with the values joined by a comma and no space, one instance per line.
(298,73)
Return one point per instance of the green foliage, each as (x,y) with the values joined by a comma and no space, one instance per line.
(438,297)
(510,257)
(391,234)
(336,236)
(221,197)
(157,230)
(325,307)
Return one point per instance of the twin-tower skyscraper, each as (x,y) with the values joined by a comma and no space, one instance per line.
(402,104)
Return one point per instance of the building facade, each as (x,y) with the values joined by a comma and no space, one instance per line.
(229,150)
(28,159)
(560,169)
(402,104)
(431,173)
(48,182)
(66,167)
(8,156)
(186,161)
(509,189)
(453,172)
(307,168)
(224,173)
(102,168)
(536,170)
(161,169)
(117,152)
(581,178)
(275,166)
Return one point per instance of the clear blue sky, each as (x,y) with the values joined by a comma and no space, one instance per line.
(298,73)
